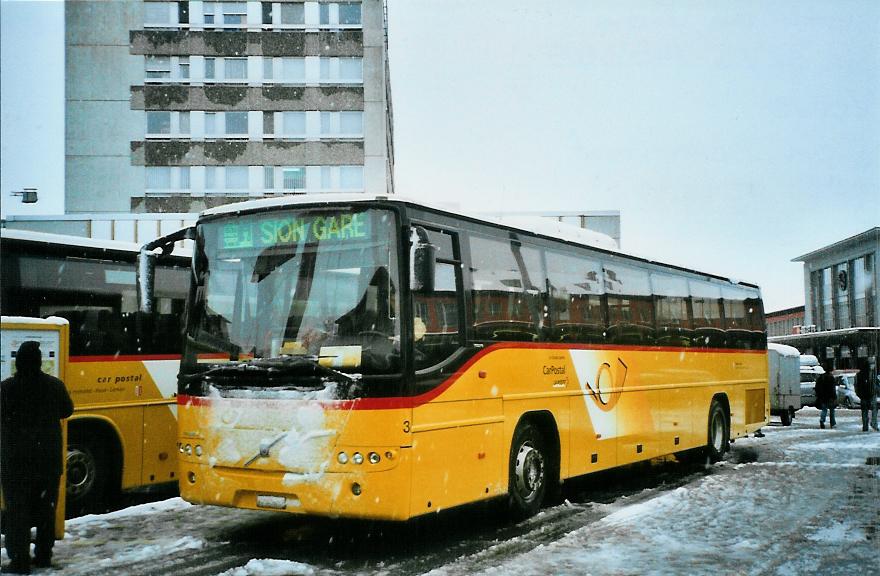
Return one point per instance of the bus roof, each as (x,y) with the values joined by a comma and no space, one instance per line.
(78,241)
(50,321)
(545,229)
(82,241)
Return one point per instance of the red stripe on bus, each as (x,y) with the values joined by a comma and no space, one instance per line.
(125,358)
(398,402)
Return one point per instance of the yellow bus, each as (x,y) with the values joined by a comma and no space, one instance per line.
(123,365)
(375,357)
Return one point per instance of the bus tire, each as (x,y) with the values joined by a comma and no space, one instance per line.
(529,465)
(88,472)
(718,441)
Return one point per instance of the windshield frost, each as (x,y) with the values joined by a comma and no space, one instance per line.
(297,284)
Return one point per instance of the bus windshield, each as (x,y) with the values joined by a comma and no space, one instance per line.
(292,298)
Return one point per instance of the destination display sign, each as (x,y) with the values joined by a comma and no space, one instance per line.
(290,229)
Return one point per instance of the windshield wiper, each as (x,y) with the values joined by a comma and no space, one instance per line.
(305,371)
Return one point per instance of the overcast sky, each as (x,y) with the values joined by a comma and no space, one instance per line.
(731,136)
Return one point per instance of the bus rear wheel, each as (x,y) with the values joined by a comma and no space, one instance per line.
(86,477)
(527,483)
(719,432)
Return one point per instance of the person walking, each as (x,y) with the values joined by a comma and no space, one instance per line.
(32,405)
(865,392)
(826,397)
(874,403)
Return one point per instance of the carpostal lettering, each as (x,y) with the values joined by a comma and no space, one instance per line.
(554,370)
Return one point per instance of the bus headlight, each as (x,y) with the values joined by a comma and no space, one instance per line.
(358,458)
(198,449)
(342,458)
(188,449)
(374,458)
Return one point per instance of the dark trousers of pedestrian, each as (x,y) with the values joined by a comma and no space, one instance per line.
(30,502)
(866,412)
(826,408)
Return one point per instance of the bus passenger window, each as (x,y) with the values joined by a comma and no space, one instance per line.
(630,306)
(505,308)
(706,306)
(576,289)
(670,307)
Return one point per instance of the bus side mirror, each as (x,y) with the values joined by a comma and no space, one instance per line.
(424,257)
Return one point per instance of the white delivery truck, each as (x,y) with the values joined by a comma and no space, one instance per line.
(785,381)
(810,371)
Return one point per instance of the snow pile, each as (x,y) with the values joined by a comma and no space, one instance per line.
(266,567)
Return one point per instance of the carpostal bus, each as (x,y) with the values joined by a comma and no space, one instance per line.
(374,357)
(123,365)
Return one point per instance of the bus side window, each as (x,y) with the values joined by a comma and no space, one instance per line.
(504,309)
(630,305)
(670,307)
(575,286)
(706,307)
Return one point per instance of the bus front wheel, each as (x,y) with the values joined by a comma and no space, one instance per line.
(528,479)
(719,432)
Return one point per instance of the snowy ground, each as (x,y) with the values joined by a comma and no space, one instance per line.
(799,501)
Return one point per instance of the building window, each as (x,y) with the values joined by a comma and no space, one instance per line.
(164,124)
(183,122)
(294,178)
(234,13)
(351,177)
(211,177)
(351,123)
(235,68)
(158,123)
(183,68)
(167,178)
(342,124)
(349,13)
(158,177)
(183,12)
(211,124)
(268,69)
(342,70)
(209,9)
(210,68)
(293,14)
(158,67)
(236,178)
(294,124)
(293,70)
(269,124)
(267,12)
(183,173)
(269,177)
(236,123)
(341,14)
(158,14)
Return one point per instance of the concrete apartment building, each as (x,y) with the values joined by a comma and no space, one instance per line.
(181,106)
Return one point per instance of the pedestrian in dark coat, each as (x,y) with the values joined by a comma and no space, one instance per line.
(865,392)
(32,405)
(826,397)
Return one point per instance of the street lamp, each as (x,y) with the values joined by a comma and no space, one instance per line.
(28,195)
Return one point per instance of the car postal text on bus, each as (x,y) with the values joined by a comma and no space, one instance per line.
(375,357)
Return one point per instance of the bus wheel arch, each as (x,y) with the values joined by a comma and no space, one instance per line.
(718,433)
(533,468)
(94,464)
